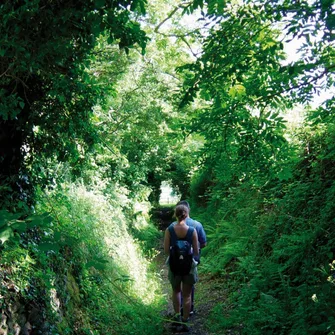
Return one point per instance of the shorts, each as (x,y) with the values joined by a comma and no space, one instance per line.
(189,279)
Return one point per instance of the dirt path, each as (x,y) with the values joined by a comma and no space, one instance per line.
(207,294)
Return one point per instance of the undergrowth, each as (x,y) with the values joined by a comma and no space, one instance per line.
(78,269)
(274,246)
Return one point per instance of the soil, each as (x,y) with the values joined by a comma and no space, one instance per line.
(208,291)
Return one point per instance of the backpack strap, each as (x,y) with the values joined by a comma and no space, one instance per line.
(189,235)
(174,237)
(173,234)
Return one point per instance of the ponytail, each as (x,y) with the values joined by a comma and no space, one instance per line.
(181,212)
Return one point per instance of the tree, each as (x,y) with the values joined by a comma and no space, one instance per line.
(138,126)
(46,94)
(246,85)
(269,199)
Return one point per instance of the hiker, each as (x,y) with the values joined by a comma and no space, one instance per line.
(197,225)
(182,276)
(202,242)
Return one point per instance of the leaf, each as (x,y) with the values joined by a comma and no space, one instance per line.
(330,22)
(57,236)
(61,98)
(47,218)
(98,263)
(19,226)
(6,217)
(237,91)
(40,220)
(99,3)
(285,174)
(28,259)
(6,234)
(48,246)
(142,6)
(124,278)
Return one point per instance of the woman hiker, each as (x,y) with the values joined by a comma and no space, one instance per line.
(182,269)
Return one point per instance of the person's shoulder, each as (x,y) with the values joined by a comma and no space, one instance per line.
(171,225)
(193,223)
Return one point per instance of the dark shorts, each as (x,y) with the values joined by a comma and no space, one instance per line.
(189,279)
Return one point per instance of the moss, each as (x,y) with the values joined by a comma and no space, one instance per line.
(72,288)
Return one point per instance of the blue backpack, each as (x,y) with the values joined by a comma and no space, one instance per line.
(181,256)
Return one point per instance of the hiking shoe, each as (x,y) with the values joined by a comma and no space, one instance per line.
(192,312)
(176,320)
(185,328)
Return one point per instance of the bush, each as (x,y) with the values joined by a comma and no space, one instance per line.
(83,270)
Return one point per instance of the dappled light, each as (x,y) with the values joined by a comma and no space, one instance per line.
(111,112)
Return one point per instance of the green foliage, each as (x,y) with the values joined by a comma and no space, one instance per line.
(98,130)
(244,87)
(268,196)
(45,91)
(200,187)
(274,246)
(81,254)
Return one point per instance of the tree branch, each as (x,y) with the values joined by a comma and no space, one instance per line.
(193,53)
(300,85)
(5,73)
(174,10)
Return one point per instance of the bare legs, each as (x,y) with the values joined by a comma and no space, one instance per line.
(192,299)
(176,298)
(187,290)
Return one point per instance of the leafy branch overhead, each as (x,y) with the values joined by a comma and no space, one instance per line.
(45,48)
(102,102)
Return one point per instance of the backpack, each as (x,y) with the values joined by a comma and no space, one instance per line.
(181,256)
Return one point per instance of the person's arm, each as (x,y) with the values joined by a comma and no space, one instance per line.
(195,244)
(202,237)
(167,242)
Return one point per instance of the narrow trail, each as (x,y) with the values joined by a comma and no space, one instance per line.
(208,291)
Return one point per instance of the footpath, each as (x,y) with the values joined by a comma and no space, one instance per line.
(208,292)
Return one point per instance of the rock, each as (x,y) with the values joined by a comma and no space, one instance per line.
(27,329)
(3,325)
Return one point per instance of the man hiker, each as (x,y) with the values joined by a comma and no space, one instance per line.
(202,242)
